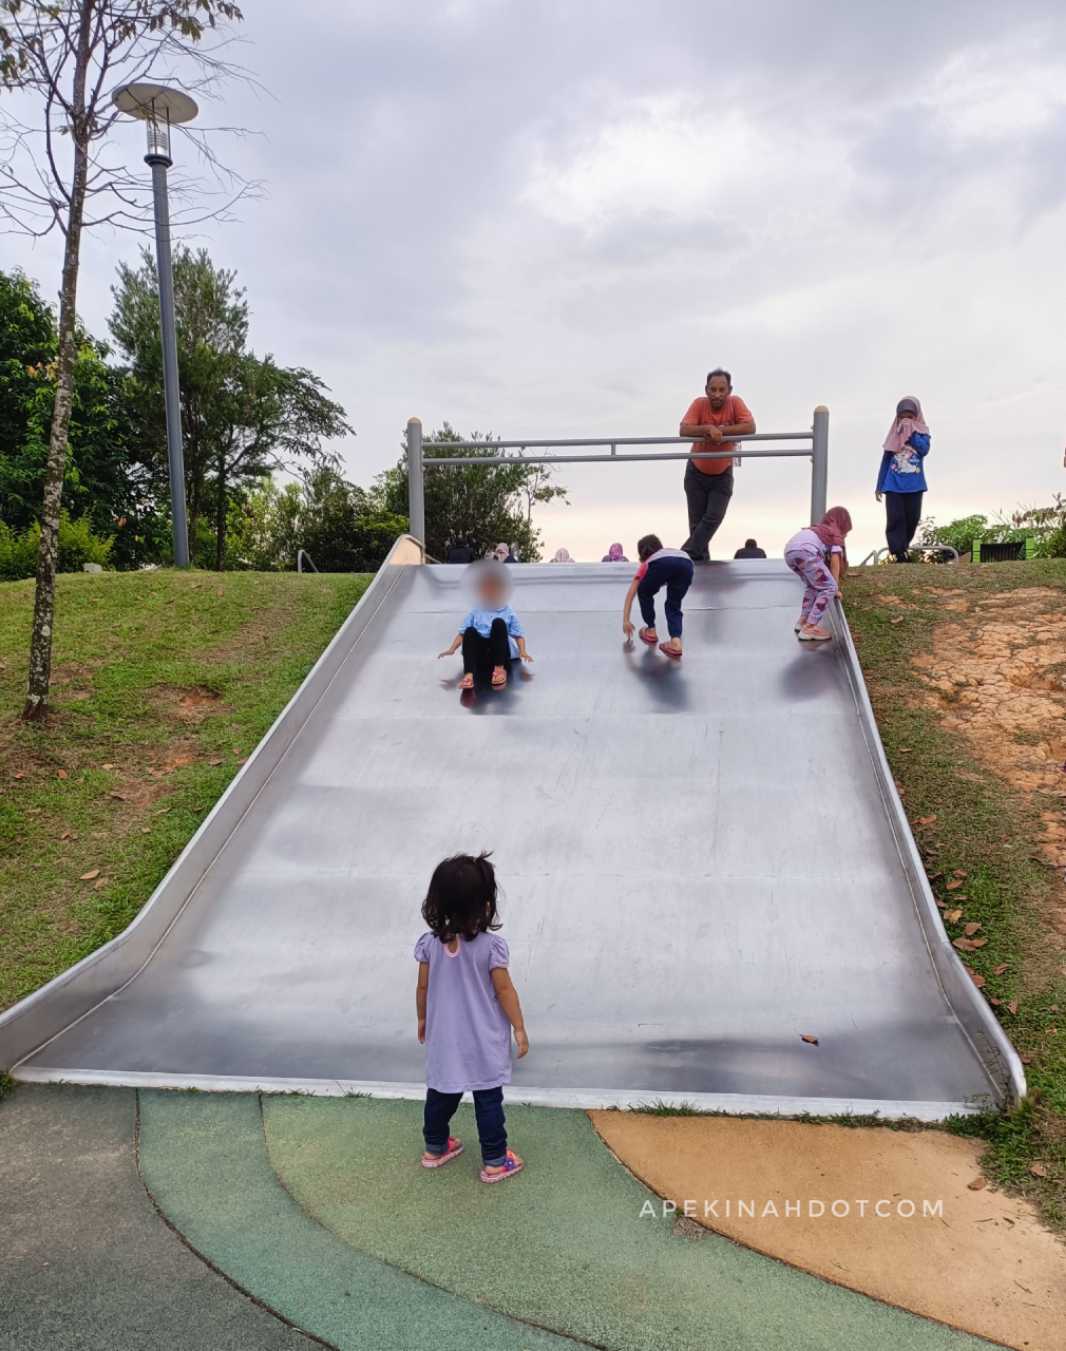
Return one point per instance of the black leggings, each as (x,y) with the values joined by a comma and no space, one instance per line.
(903,512)
(480,655)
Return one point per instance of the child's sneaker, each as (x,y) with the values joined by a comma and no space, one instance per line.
(454,1149)
(814,633)
(500,1172)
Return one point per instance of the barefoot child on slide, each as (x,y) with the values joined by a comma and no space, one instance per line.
(659,567)
(491,635)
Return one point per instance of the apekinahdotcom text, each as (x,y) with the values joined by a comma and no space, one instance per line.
(812,1208)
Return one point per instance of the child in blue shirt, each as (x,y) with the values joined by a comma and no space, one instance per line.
(491,634)
(901,480)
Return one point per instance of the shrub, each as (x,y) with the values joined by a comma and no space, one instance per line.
(77,545)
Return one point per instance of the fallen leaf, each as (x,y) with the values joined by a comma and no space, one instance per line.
(999,970)
(979,942)
(898,620)
(107,766)
(971,928)
(1038,1169)
(977,1185)
(906,748)
(960,872)
(216,761)
(996,1002)
(66,835)
(811,1041)
(62,774)
(120,796)
(88,877)
(965,944)
(1013,1006)
(145,830)
(1026,1059)
(952,916)
(1053,1008)
(954,884)
(941,904)
(101,883)
(20,774)
(977,979)
(926,820)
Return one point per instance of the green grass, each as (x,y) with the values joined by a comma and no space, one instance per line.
(163,684)
(986,835)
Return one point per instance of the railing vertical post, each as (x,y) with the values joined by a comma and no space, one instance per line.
(820,462)
(416,488)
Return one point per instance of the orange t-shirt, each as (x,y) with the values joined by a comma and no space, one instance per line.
(701,414)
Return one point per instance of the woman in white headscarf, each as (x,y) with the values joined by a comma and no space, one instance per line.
(562,556)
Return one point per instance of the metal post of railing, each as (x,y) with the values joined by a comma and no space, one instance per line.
(416,487)
(820,462)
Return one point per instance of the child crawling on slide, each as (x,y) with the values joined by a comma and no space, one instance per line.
(491,634)
(659,568)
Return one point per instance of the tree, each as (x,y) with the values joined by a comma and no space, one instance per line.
(243,416)
(342,527)
(66,56)
(104,477)
(482,505)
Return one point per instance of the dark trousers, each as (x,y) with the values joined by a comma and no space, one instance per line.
(903,512)
(491,1122)
(708,497)
(676,575)
(480,655)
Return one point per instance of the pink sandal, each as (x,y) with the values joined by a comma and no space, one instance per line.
(499,677)
(455,1148)
(643,636)
(670,652)
(467,682)
(512,1164)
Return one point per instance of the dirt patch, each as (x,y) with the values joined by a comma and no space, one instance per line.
(983,1263)
(998,679)
(189,704)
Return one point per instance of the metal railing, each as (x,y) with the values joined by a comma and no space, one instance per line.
(302,557)
(875,555)
(733,447)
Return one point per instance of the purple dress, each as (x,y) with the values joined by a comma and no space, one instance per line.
(468,1037)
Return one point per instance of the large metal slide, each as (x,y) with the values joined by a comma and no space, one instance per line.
(702,864)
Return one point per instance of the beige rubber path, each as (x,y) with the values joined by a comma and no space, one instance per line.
(985,1264)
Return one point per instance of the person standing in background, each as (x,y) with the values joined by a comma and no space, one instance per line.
(750,550)
(901,481)
(709,478)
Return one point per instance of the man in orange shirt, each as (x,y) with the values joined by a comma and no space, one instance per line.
(708,478)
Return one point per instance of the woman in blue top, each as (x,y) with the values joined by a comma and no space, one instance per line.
(902,478)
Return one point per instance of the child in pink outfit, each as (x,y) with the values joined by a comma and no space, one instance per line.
(817,554)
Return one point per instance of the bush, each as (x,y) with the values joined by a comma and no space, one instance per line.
(77,545)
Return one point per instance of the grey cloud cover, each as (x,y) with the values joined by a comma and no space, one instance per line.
(549,218)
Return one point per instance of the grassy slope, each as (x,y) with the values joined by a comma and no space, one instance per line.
(989,830)
(164,682)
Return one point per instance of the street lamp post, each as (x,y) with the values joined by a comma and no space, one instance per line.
(160,108)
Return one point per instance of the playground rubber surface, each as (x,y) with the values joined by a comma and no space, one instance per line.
(314,1215)
(86,1263)
(1004,1274)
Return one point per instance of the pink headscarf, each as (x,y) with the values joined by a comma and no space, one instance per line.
(833,526)
(903,428)
(616,554)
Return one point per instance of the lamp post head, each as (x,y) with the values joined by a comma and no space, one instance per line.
(159,107)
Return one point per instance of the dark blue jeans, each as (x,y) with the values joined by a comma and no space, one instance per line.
(491,1122)
(676,575)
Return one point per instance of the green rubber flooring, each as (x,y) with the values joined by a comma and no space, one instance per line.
(86,1263)
(563,1245)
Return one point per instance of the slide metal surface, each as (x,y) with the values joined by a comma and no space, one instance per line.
(700,865)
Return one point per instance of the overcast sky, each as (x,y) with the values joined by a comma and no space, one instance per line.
(553,218)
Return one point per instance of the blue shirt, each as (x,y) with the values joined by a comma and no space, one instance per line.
(905,471)
(482,621)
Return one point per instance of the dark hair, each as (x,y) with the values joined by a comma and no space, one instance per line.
(648,545)
(461,900)
(751,544)
(718,371)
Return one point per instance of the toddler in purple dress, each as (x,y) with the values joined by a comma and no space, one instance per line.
(467,1007)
